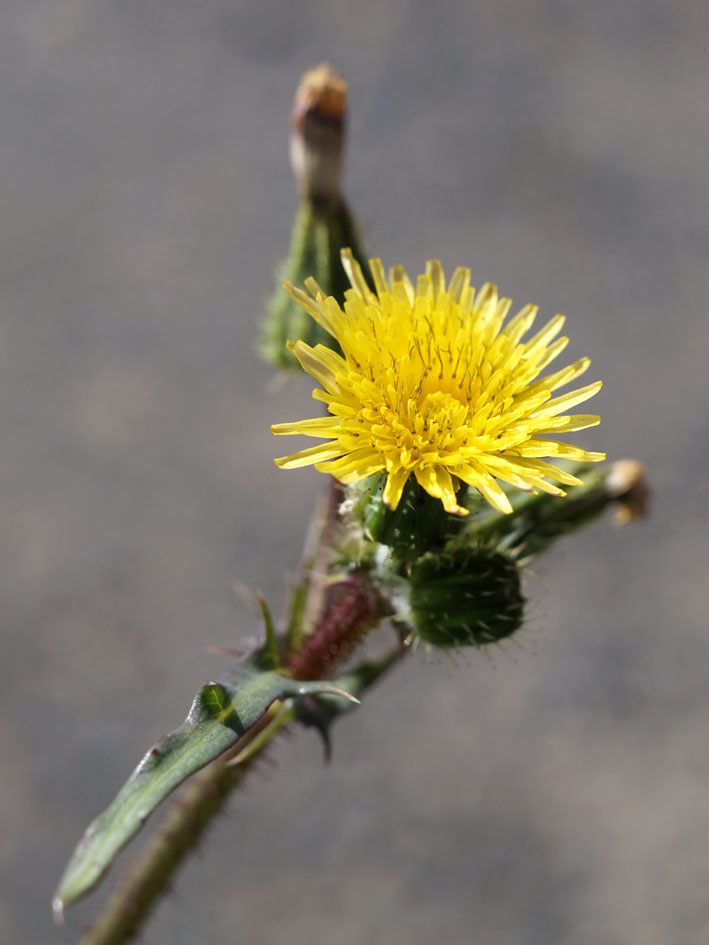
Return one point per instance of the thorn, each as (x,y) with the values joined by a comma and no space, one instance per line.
(336,691)
(311,715)
(327,747)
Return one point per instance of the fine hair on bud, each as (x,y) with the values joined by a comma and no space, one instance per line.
(465,597)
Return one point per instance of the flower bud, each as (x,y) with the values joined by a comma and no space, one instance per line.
(627,484)
(323,224)
(465,597)
(538,521)
(417,525)
(318,132)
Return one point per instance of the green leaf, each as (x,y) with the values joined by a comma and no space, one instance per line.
(221,714)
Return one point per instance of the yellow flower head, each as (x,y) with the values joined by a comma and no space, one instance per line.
(432,383)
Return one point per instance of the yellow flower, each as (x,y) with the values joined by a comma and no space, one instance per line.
(430,384)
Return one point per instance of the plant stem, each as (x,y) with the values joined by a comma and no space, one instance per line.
(191,813)
(354,609)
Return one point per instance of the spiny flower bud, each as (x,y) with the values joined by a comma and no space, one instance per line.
(465,597)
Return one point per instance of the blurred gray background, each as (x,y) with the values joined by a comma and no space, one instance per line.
(555,793)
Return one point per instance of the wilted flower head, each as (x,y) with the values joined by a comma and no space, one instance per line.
(432,383)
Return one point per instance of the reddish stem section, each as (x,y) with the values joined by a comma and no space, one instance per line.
(351,608)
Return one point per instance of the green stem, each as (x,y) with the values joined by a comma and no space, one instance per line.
(192,812)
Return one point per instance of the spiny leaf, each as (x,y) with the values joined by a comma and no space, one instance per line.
(221,714)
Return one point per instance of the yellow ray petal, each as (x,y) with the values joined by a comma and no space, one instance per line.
(319,366)
(310,456)
(318,426)
(579,421)
(566,401)
(355,465)
(437,481)
(545,334)
(355,274)
(394,487)
(495,495)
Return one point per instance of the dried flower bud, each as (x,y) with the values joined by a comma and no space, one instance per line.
(627,483)
(318,131)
